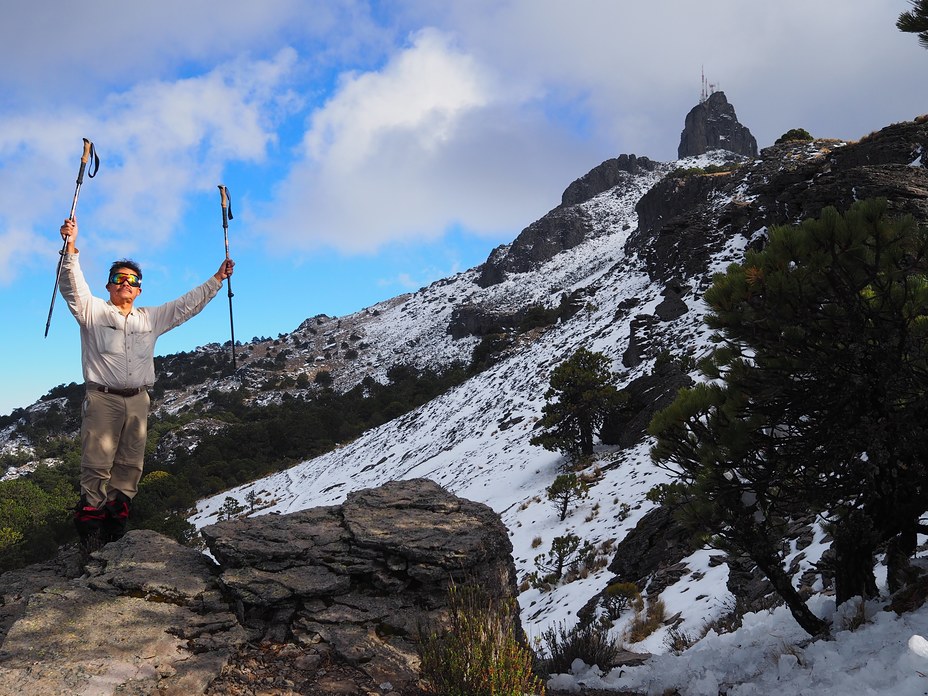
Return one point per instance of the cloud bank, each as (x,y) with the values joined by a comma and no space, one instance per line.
(370,124)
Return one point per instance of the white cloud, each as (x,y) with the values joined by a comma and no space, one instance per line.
(16,245)
(428,141)
(479,120)
(170,140)
(422,92)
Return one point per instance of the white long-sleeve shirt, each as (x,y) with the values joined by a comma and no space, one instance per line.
(119,351)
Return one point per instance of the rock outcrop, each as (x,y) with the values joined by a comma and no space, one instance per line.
(604,176)
(561,229)
(647,395)
(146,618)
(564,227)
(713,125)
(341,590)
(361,578)
(685,219)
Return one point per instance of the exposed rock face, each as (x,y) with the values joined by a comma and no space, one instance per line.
(603,177)
(363,577)
(712,125)
(657,543)
(563,228)
(650,556)
(647,395)
(336,588)
(473,320)
(675,195)
(683,221)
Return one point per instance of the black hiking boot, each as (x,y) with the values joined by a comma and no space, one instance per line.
(117,517)
(88,521)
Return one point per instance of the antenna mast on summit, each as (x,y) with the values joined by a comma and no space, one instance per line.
(707,88)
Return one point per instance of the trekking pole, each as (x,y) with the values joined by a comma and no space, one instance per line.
(90,154)
(226,216)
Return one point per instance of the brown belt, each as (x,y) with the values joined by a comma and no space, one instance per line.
(119,392)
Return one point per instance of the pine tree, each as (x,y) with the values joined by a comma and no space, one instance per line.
(566,489)
(915,21)
(582,393)
(565,552)
(819,400)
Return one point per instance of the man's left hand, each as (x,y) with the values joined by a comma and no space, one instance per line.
(225,270)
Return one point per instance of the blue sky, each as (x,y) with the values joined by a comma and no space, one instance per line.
(371,147)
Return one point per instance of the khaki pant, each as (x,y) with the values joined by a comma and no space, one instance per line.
(113,433)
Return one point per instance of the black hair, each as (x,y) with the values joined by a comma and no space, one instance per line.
(125,263)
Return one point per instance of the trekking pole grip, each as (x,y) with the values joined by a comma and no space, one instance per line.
(224,200)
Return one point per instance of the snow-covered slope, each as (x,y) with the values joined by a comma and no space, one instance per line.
(474,440)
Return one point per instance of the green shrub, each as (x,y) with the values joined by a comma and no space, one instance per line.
(722,168)
(35,517)
(478,653)
(683,172)
(794,135)
(618,597)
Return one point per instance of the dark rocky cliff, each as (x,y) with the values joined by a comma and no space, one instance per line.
(605,176)
(713,125)
(684,219)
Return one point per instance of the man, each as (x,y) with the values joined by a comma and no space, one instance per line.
(117,358)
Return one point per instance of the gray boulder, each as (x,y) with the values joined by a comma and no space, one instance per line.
(358,581)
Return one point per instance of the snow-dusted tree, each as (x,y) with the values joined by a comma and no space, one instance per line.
(230,509)
(565,551)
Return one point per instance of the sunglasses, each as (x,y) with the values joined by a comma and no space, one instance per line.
(130,278)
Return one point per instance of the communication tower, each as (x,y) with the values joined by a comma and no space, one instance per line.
(708,88)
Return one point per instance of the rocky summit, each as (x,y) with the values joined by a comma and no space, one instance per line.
(713,125)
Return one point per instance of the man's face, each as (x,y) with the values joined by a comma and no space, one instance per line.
(123,292)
